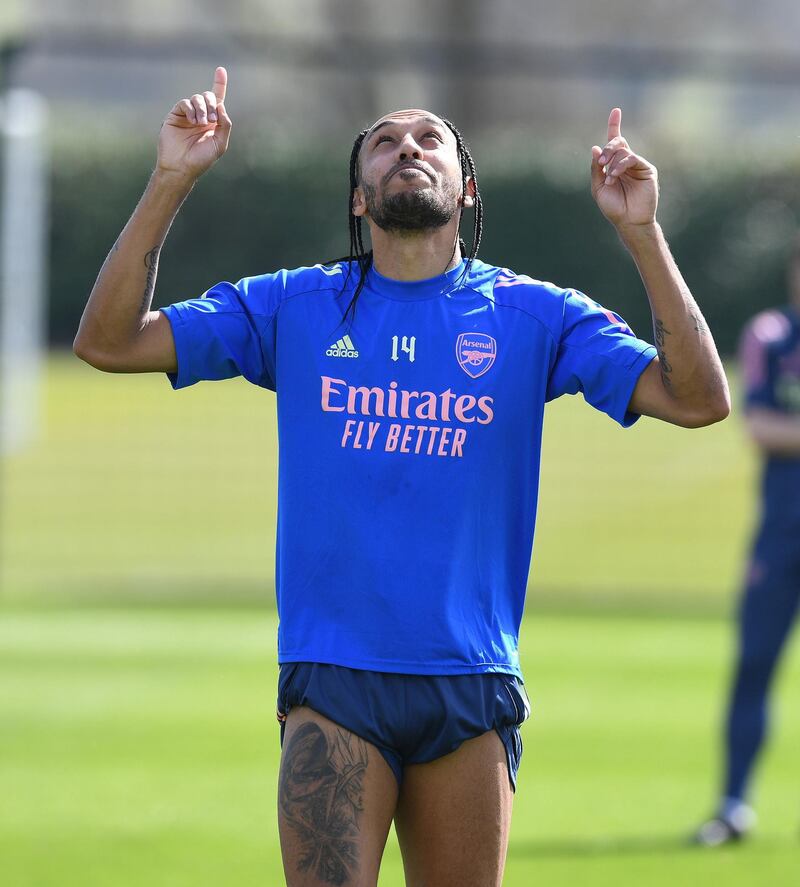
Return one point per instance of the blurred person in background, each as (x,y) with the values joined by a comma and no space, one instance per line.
(770,366)
(404,546)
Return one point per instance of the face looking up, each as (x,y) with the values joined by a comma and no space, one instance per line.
(409,173)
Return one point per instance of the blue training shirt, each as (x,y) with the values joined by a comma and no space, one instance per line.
(409,447)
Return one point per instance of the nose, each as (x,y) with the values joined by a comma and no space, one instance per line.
(408,149)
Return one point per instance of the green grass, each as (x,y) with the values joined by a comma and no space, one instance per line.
(133,492)
(137,648)
(139,747)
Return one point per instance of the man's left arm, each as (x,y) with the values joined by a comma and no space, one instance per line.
(685,384)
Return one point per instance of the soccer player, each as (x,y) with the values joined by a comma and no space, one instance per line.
(411,381)
(770,362)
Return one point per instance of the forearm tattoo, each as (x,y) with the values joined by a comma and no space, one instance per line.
(661,333)
(320,796)
(151,263)
(699,324)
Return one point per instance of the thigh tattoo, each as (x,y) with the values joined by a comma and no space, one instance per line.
(321,798)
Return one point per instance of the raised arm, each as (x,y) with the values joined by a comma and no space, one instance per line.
(118,332)
(685,384)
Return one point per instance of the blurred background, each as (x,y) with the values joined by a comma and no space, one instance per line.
(137,622)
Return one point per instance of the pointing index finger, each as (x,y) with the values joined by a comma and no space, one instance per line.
(220,83)
(614,121)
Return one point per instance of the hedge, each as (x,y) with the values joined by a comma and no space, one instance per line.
(256,212)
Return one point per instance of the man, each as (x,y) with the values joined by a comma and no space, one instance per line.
(770,362)
(411,382)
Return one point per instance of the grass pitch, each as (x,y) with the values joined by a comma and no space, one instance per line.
(137,649)
(139,746)
(134,492)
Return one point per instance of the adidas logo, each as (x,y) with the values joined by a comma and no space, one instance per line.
(343,348)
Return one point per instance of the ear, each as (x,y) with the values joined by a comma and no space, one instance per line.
(469,195)
(359,204)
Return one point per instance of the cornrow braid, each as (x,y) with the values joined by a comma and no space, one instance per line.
(468,171)
(358,255)
(363,258)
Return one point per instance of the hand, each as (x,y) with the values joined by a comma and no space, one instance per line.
(196,131)
(624,184)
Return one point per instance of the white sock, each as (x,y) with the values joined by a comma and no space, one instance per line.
(738,813)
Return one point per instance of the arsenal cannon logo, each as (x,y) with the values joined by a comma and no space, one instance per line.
(475,353)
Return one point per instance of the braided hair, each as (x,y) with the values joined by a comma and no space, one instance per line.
(362,258)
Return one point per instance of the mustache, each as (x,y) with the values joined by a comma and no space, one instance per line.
(405,164)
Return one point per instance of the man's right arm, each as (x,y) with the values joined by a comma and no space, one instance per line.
(118,332)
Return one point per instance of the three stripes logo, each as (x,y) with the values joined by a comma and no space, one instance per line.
(343,348)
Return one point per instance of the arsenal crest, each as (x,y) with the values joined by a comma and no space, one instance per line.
(475,353)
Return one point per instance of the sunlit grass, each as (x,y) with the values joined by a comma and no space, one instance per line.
(140,747)
(137,648)
(135,492)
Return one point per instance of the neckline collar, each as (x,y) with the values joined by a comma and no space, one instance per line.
(411,290)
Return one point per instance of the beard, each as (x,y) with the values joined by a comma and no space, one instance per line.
(412,212)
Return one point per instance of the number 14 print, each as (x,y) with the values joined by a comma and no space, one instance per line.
(407,345)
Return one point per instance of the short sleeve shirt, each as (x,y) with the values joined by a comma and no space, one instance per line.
(410,437)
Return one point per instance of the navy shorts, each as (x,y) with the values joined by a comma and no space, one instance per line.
(410,719)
